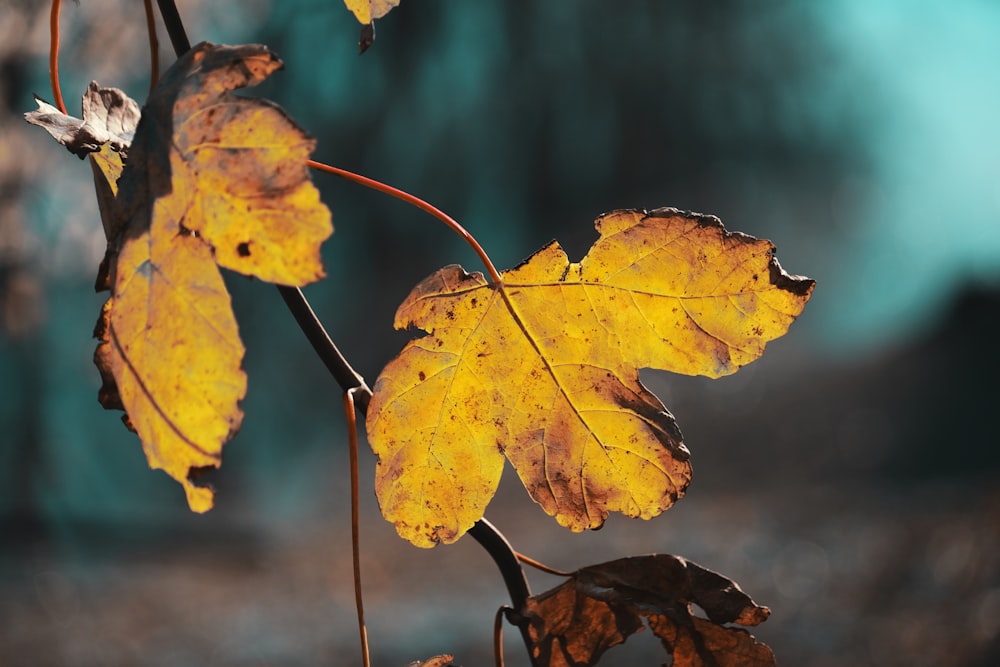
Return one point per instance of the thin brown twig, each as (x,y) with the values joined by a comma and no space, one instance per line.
(154,45)
(413,200)
(528,560)
(352,437)
(54,55)
(498,636)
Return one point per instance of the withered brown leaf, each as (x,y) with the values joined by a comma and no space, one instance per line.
(600,606)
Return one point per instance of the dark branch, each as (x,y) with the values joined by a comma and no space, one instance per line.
(339,368)
(175,27)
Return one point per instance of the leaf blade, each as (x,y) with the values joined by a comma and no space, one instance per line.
(544,367)
(600,606)
(212,180)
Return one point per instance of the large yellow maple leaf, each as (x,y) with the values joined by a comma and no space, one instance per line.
(211,180)
(543,368)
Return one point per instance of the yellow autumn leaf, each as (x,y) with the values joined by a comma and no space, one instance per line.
(368,10)
(211,178)
(544,369)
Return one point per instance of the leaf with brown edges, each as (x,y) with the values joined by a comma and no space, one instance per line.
(211,180)
(600,606)
(543,368)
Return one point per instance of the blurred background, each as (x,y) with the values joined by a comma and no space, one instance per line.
(848,479)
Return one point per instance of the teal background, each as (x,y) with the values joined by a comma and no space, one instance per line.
(848,479)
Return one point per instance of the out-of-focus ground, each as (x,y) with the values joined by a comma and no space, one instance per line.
(848,480)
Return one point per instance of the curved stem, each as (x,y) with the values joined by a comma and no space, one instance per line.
(528,560)
(329,354)
(505,557)
(498,636)
(419,203)
(352,437)
(154,45)
(499,549)
(54,55)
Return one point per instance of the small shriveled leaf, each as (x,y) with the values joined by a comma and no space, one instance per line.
(600,606)
(211,179)
(437,661)
(365,11)
(109,117)
(544,368)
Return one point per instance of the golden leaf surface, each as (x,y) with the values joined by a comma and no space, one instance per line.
(544,368)
(211,179)
(368,10)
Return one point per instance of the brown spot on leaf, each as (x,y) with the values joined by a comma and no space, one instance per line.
(798,285)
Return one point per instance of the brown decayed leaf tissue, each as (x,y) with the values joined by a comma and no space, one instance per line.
(600,606)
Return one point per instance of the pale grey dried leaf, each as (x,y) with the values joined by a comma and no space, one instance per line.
(109,117)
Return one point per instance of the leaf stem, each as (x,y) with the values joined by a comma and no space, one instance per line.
(54,55)
(498,636)
(352,437)
(505,557)
(527,560)
(154,45)
(419,203)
